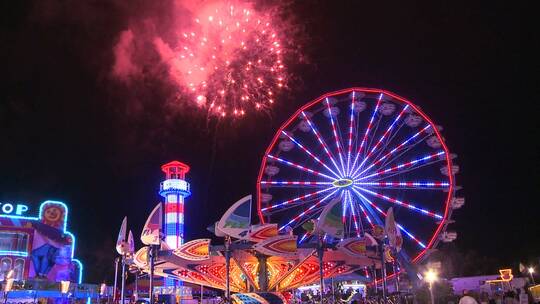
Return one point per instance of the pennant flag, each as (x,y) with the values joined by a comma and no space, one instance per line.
(259,233)
(281,245)
(235,222)
(121,243)
(522,268)
(330,220)
(355,247)
(131,243)
(394,235)
(151,233)
(196,250)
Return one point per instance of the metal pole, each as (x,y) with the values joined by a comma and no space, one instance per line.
(115,279)
(263,272)
(202,291)
(227,269)
(383,273)
(136,293)
(123,279)
(397,276)
(375,279)
(333,290)
(151,278)
(431,292)
(394,268)
(321,273)
(532,278)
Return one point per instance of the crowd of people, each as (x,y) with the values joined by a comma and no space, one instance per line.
(518,296)
(510,297)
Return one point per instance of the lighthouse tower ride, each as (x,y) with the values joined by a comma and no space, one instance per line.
(174,189)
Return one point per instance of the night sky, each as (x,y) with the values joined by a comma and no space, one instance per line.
(69,132)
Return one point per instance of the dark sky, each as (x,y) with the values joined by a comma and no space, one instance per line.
(68,132)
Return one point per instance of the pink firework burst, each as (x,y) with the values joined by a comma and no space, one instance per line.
(231,60)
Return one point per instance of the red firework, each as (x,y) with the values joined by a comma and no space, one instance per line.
(231,60)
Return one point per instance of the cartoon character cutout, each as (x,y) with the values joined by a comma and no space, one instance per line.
(53,215)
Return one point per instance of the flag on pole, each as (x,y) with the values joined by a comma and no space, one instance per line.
(121,242)
(237,220)
(395,239)
(330,220)
(151,233)
(131,243)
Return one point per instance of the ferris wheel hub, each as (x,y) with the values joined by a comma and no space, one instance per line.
(343,183)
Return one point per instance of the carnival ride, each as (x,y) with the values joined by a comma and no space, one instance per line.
(374,150)
(335,175)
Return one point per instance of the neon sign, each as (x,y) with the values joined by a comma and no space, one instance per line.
(13,209)
(506,276)
(51,213)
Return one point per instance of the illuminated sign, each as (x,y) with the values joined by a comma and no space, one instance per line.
(13,209)
(177,184)
(506,276)
(51,213)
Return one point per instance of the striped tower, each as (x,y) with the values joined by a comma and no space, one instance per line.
(174,189)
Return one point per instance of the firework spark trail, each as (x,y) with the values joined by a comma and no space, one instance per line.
(230,61)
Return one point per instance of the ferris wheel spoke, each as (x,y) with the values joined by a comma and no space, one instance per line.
(359,217)
(299,203)
(366,133)
(305,217)
(310,209)
(387,142)
(410,235)
(372,139)
(384,164)
(381,139)
(351,124)
(371,204)
(296,199)
(353,212)
(339,149)
(366,216)
(303,237)
(405,185)
(406,166)
(295,184)
(405,204)
(396,149)
(383,177)
(321,142)
(298,166)
(308,152)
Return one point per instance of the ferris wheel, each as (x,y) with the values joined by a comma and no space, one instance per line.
(373,150)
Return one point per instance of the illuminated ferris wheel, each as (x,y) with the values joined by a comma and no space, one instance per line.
(374,150)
